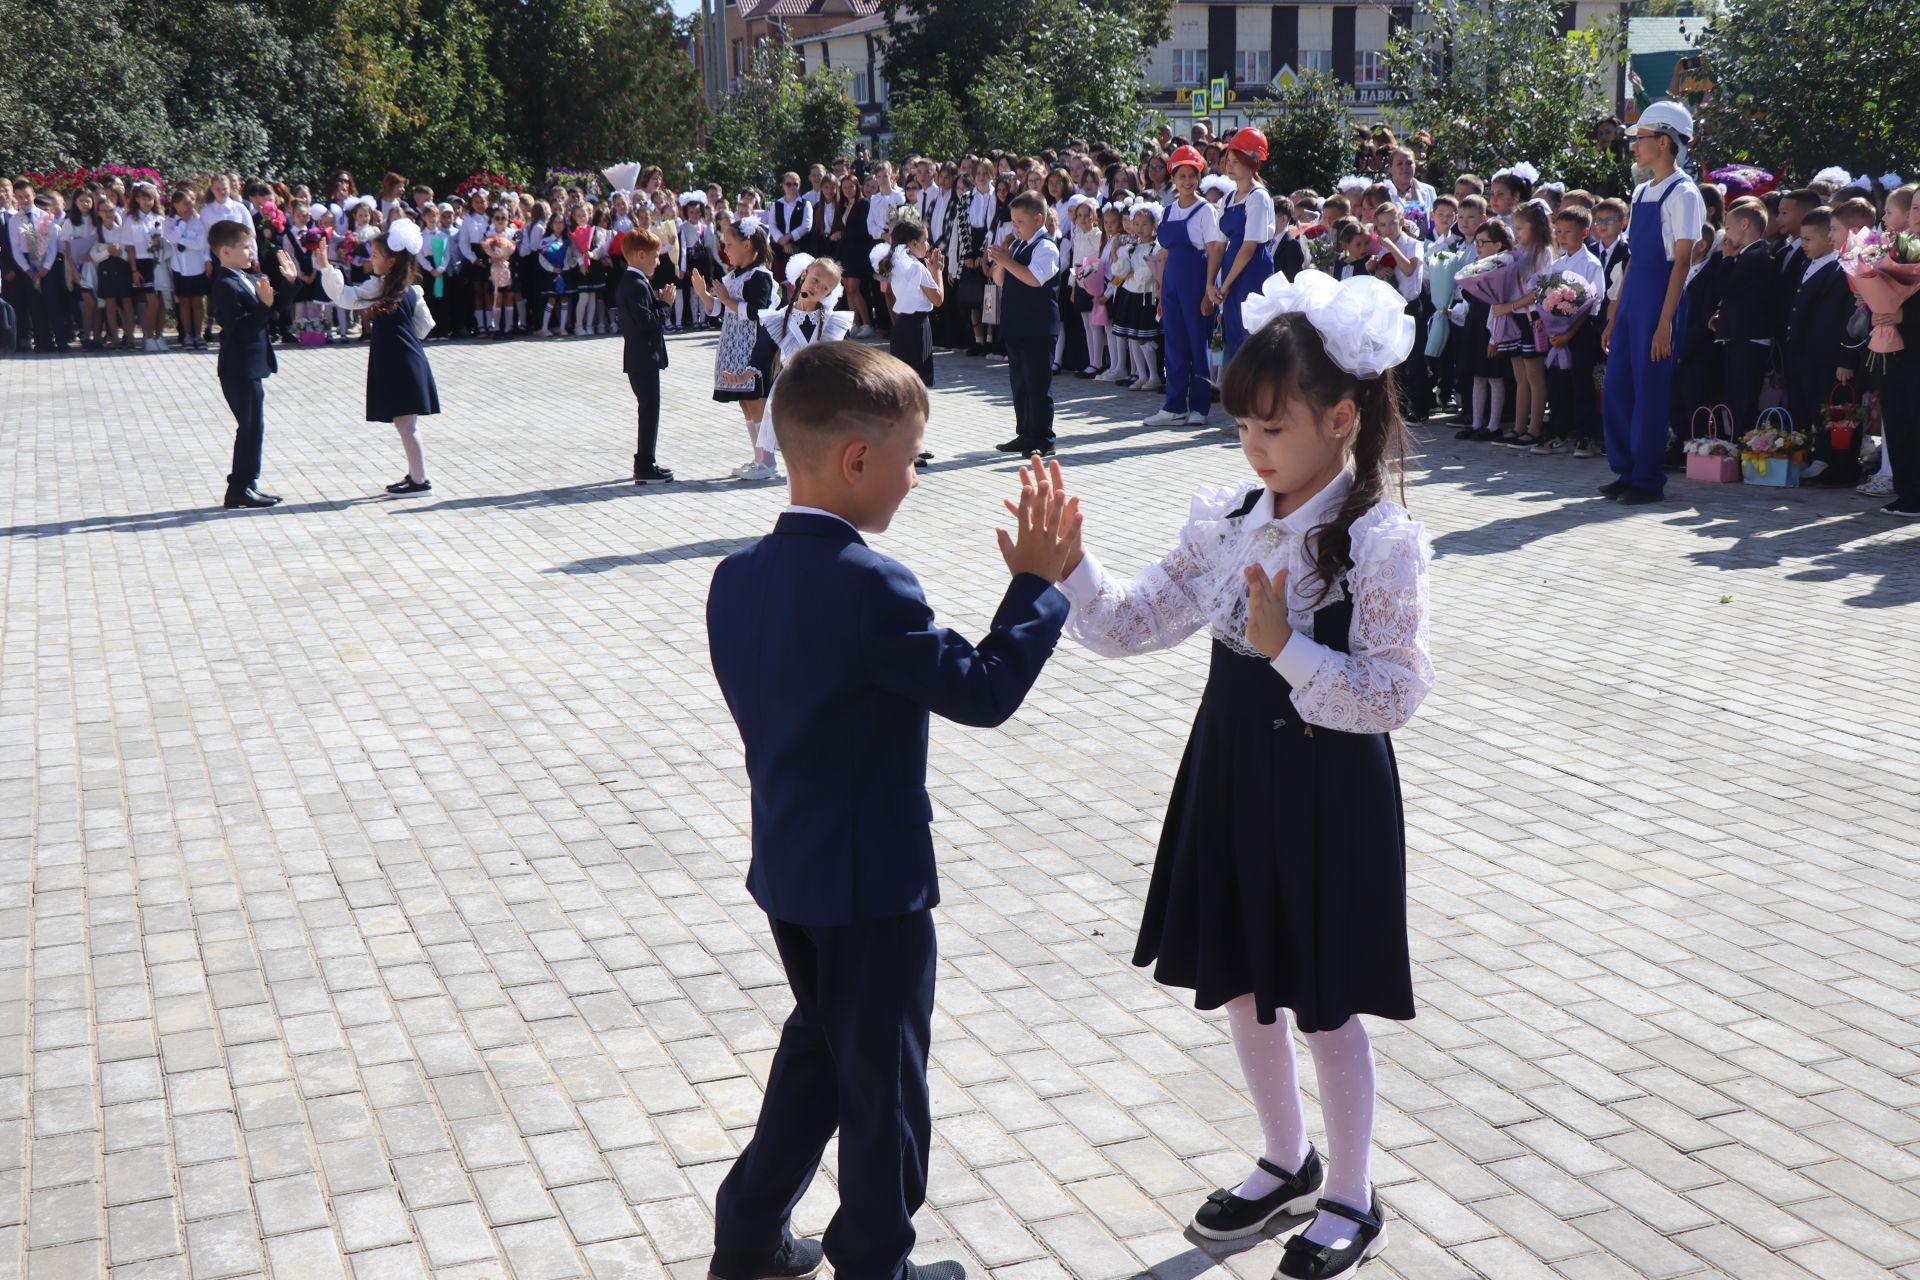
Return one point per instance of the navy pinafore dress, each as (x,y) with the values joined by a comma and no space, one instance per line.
(399,380)
(1282,864)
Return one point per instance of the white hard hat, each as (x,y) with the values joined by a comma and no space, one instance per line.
(1670,118)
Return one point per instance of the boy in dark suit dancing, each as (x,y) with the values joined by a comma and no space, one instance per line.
(645,347)
(830,661)
(243,304)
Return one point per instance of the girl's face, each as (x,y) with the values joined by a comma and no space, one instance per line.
(815,285)
(499,222)
(1500,197)
(1239,167)
(737,248)
(83,201)
(983,176)
(1485,246)
(479,202)
(1524,234)
(1089,182)
(911,190)
(1185,180)
(1110,222)
(219,188)
(849,189)
(1387,222)
(1297,448)
(1083,217)
(183,208)
(1143,226)
(382,260)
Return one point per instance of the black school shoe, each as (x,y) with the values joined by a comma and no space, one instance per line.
(1305,1260)
(1612,489)
(795,1259)
(1639,497)
(1225,1216)
(407,484)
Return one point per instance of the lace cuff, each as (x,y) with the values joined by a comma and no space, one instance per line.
(1378,686)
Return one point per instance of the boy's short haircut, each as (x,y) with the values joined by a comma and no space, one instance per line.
(1574,214)
(1857,210)
(835,391)
(1577,196)
(1613,205)
(256,187)
(1805,197)
(638,240)
(1335,207)
(1446,200)
(1347,229)
(1029,202)
(1472,182)
(1820,218)
(1283,208)
(1475,203)
(1753,216)
(226,234)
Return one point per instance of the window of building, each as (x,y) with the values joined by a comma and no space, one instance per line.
(1370,67)
(739,56)
(1252,66)
(1189,66)
(1317,60)
(860,87)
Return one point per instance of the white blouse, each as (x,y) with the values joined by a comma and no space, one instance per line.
(909,280)
(1259,205)
(188,240)
(878,207)
(355,297)
(1203,224)
(793,330)
(1375,688)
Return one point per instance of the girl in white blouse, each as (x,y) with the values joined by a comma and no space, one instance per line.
(1280,877)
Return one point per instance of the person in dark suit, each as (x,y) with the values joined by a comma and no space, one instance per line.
(644,346)
(1743,322)
(1815,347)
(1029,321)
(16,286)
(831,662)
(1789,255)
(243,304)
(1696,358)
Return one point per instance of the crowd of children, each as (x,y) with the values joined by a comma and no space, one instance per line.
(1150,264)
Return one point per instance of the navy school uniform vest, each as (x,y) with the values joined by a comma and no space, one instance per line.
(1028,312)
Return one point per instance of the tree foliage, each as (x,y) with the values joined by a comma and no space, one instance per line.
(1496,83)
(778,120)
(434,89)
(1021,74)
(1308,134)
(1800,87)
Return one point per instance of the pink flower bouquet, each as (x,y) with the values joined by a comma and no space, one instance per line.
(1884,271)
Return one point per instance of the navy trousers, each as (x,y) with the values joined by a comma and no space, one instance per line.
(247,397)
(852,1057)
(1030,374)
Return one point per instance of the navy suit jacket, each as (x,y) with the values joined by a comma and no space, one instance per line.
(831,661)
(1816,343)
(1749,290)
(245,349)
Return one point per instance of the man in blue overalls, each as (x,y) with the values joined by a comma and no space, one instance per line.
(1667,219)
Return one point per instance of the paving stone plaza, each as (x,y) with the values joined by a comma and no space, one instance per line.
(371,894)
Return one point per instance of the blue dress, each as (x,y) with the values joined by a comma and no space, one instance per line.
(399,380)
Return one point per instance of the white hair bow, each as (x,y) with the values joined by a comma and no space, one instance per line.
(1835,174)
(797,267)
(1891,181)
(1362,320)
(1352,182)
(750,226)
(404,236)
(1524,171)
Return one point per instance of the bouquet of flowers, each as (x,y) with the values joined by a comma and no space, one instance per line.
(1773,440)
(1442,266)
(1562,294)
(499,249)
(268,223)
(1484,266)
(561,176)
(1321,250)
(1744,180)
(1711,447)
(483,181)
(1884,271)
(34,236)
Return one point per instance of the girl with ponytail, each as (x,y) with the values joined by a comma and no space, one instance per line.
(1280,880)
(400,386)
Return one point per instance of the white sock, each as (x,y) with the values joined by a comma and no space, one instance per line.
(494,318)
(1496,402)
(1343,1061)
(1143,359)
(1273,1082)
(480,319)
(1886,453)
(520,314)
(546,321)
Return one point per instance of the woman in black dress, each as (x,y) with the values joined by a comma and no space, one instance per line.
(400,387)
(1280,880)
(852,254)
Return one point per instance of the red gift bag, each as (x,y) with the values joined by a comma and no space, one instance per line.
(1840,419)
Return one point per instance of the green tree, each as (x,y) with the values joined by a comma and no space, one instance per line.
(1800,86)
(1307,134)
(928,124)
(65,68)
(1496,83)
(778,120)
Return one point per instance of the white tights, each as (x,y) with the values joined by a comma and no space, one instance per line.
(1096,340)
(1343,1060)
(1489,394)
(1142,360)
(409,429)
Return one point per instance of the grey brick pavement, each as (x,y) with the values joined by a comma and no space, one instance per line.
(370,889)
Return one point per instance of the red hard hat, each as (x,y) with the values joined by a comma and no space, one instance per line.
(1186,155)
(1249,142)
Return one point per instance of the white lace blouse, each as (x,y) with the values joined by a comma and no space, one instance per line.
(1375,688)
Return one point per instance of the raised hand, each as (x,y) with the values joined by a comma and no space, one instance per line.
(285,263)
(1267,627)
(1047,541)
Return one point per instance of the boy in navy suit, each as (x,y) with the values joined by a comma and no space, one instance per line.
(830,661)
(1743,323)
(1815,349)
(644,352)
(243,304)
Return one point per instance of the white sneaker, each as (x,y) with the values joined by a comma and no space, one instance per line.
(153,344)
(1150,385)
(1111,375)
(1876,487)
(1814,468)
(1166,418)
(760,471)
(740,472)
(1196,419)
(862,331)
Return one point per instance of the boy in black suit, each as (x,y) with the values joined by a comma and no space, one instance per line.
(243,304)
(1743,322)
(644,346)
(1815,347)
(831,662)
(1029,321)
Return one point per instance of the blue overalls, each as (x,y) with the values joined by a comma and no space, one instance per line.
(1233,225)
(1639,388)
(1183,287)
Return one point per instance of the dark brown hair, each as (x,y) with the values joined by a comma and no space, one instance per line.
(225,234)
(404,272)
(833,391)
(1287,359)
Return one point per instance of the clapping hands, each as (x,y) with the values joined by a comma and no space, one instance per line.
(1267,627)
(1047,541)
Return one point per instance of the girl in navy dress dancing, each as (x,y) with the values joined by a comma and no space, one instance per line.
(1280,881)
(399,382)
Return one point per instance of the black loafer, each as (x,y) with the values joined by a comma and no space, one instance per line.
(1612,489)
(407,484)
(1015,445)
(653,475)
(1225,1216)
(1305,1260)
(1638,497)
(250,498)
(795,1259)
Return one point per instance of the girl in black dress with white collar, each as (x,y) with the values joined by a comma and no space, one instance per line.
(400,386)
(1280,881)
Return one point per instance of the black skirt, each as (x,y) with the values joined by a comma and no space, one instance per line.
(1282,865)
(186,286)
(399,380)
(113,279)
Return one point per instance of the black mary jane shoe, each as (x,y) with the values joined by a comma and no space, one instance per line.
(1305,1260)
(407,484)
(1225,1216)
